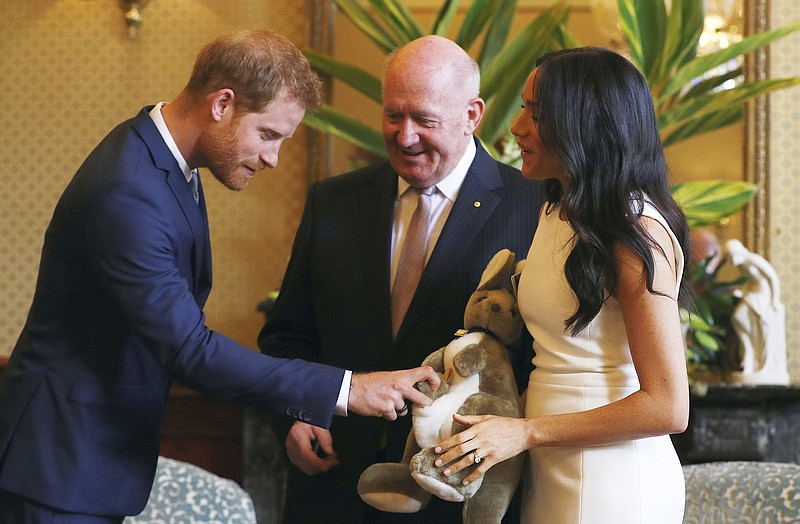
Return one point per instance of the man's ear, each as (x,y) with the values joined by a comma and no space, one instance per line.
(475,110)
(222,103)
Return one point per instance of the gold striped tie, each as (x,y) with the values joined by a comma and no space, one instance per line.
(412,258)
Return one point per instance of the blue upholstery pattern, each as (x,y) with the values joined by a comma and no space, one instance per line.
(742,493)
(186,494)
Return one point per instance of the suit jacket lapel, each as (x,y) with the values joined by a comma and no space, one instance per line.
(474,205)
(376,215)
(195,215)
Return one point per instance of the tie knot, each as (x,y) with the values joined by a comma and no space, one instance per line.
(427,191)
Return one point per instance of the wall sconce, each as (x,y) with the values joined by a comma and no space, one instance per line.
(133,14)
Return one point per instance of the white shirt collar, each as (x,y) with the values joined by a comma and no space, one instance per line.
(158,119)
(449,185)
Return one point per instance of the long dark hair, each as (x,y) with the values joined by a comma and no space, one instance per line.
(596,116)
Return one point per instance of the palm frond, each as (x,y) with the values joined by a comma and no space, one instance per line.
(505,76)
(479,14)
(353,10)
(703,105)
(497,33)
(330,121)
(697,126)
(702,64)
(707,202)
(397,17)
(361,80)
(441,26)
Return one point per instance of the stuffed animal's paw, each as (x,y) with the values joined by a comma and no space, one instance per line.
(431,478)
(389,487)
(425,388)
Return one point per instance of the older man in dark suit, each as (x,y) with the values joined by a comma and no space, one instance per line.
(125,272)
(338,302)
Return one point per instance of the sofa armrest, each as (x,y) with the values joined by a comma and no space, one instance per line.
(183,492)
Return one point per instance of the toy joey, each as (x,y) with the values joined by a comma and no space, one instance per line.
(477,379)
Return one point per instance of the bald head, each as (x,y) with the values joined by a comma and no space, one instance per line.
(437,61)
(430,108)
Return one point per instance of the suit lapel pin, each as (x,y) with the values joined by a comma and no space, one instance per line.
(476,203)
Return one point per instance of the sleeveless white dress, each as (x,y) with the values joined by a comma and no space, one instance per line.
(638,481)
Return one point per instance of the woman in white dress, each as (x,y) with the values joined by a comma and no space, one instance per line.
(600,294)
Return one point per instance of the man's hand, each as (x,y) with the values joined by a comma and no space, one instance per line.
(384,394)
(300,444)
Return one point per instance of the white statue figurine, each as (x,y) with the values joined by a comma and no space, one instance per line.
(759,320)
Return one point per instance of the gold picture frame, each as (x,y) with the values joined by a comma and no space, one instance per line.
(756,134)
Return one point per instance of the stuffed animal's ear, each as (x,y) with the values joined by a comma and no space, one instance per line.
(498,269)
(516,274)
(435,360)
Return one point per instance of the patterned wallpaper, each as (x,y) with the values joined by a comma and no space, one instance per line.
(70,74)
(785,176)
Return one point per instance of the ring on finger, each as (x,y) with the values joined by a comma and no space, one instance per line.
(402,410)
(475,457)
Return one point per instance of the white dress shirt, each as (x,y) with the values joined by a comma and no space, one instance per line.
(158,119)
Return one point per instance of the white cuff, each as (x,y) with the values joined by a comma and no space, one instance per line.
(344,394)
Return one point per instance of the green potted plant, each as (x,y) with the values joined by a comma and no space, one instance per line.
(708,328)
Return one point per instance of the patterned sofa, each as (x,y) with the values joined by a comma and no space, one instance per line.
(716,493)
(742,493)
(186,494)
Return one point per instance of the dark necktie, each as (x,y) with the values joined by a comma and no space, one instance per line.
(193,184)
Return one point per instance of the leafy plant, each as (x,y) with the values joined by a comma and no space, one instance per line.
(708,327)
(663,45)
(707,202)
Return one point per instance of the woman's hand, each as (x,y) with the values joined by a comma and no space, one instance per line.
(488,441)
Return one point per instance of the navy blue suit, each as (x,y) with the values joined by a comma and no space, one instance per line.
(334,305)
(117,315)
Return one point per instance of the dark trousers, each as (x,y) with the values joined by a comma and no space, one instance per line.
(20,510)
